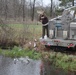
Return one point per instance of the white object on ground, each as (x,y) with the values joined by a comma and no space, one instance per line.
(35,39)
(35,44)
(41,38)
(45,37)
(30,43)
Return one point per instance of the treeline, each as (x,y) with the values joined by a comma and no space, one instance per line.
(23,9)
(26,9)
(15,9)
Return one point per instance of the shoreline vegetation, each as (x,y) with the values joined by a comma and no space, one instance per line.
(57,59)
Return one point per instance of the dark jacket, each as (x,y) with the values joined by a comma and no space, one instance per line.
(44,19)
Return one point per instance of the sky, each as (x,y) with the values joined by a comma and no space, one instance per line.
(46,2)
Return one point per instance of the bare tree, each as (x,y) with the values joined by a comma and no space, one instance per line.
(33,9)
(18,9)
(15,8)
(6,9)
(1,5)
(23,10)
(51,8)
(73,2)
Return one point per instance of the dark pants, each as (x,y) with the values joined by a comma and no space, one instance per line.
(45,28)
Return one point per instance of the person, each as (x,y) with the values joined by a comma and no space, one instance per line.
(43,18)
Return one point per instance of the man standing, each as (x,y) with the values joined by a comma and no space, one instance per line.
(43,18)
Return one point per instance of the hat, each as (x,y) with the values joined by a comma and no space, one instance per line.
(40,12)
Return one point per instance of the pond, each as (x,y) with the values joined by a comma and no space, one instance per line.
(9,66)
(26,66)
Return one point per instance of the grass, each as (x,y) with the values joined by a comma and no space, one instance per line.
(63,61)
(17,52)
(19,34)
(35,30)
(66,62)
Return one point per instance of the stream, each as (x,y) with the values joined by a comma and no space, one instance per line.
(26,66)
(9,66)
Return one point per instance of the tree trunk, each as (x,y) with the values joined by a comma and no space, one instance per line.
(1,5)
(23,10)
(14,5)
(33,10)
(51,8)
(6,9)
(73,2)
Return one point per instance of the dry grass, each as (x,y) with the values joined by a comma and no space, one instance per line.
(21,34)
